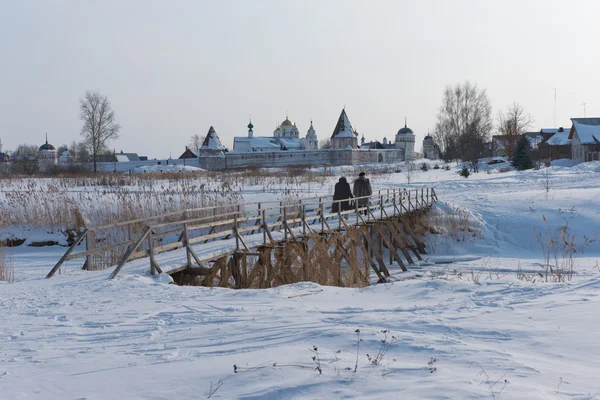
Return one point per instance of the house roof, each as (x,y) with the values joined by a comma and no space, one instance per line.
(290,143)
(186,154)
(594,121)
(558,139)
(257,142)
(552,130)
(587,129)
(127,157)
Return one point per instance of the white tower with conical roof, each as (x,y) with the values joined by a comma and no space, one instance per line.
(344,136)
(311,137)
(212,147)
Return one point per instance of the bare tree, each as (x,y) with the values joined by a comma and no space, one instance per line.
(463,123)
(195,142)
(99,125)
(325,144)
(512,125)
(24,160)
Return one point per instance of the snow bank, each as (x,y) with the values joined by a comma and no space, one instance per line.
(563,162)
(167,168)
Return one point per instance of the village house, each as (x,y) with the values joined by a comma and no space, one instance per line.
(555,144)
(585,139)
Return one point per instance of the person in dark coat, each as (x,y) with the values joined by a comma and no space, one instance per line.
(362,188)
(342,192)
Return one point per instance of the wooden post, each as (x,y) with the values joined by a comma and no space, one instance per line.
(264,227)
(235,231)
(129,233)
(186,244)
(258,223)
(90,244)
(400,196)
(303,219)
(322,216)
(356,210)
(422,199)
(284,222)
(339,215)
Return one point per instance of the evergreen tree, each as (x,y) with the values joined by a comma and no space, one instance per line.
(521,158)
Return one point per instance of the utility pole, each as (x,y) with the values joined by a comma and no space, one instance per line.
(554,108)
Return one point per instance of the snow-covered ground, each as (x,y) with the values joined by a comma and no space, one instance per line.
(461,325)
(166,168)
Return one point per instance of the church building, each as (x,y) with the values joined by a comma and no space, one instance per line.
(285,137)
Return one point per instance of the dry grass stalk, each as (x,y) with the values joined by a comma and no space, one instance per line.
(7,268)
(559,252)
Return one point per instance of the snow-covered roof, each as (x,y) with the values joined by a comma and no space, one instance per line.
(212,141)
(559,139)
(343,127)
(257,142)
(121,157)
(290,143)
(587,134)
(552,130)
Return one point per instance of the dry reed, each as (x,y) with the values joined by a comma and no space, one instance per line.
(7,269)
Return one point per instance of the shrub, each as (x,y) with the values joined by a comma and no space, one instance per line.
(424,167)
(447,168)
(436,166)
(464,172)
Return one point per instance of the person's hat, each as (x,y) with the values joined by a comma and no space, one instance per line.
(362,174)
(343,179)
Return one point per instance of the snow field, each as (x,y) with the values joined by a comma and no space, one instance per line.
(462,311)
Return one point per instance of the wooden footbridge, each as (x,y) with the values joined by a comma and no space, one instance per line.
(265,244)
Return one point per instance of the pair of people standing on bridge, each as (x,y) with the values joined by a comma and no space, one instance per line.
(361,191)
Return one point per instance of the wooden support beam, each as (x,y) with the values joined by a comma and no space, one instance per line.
(357,240)
(68,252)
(400,238)
(389,245)
(129,252)
(186,243)
(377,255)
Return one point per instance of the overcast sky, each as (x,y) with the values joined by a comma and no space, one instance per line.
(174,68)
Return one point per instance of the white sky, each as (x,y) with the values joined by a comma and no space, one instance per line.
(173,68)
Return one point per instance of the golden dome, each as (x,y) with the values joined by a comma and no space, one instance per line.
(287,122)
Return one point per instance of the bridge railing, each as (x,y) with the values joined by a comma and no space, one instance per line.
(249,225)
